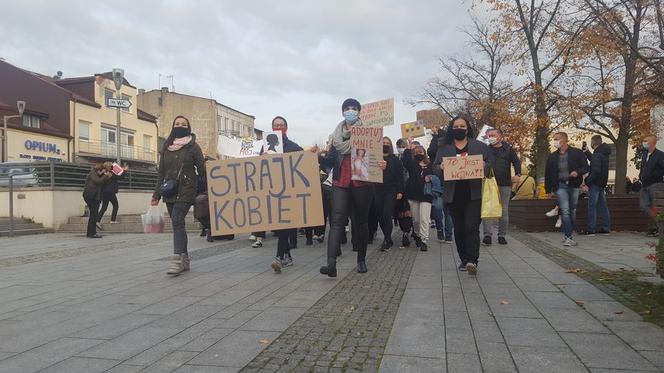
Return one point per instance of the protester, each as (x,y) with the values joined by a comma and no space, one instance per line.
(417,163)
(92,194)
(109,194)
(563,175)
(388,193)
(402,214)
(439,211)
(525,188)
(347,194)
(464,197)
(504,157)
(594,185)
(318,233)
(180,165)
(650,176)
(286,238)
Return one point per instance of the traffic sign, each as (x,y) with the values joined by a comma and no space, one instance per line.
(118,102)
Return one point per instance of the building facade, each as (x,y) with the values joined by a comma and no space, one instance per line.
(68,120)
(208,118)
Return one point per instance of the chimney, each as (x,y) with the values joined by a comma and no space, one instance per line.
(164,89)
(141,91)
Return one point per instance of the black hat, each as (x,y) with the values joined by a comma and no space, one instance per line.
(351,102)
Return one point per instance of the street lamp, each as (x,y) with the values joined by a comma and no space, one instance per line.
(118,79)
(20,105)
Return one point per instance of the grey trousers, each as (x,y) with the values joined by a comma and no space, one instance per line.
(503,221)
(178,211)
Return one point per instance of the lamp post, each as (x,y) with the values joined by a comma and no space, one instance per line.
(118,78)
(20,105)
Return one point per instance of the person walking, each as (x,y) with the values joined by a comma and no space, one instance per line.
(181,163)
(416,162)
(388,193)
(92,195)
(109,194)
(347,195)
(563,176)
(464,197)
(650,177)
(504,157)
(594,186)
(286,238)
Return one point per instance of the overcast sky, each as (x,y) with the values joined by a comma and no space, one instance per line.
(299,59)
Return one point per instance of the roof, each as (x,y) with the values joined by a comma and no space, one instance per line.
(203,98)
(91,78)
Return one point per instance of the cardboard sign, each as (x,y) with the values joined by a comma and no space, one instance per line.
(482,135)
(433,118)
(273,143)
(273,191)
(250,147)
(412,129)
(378,114)
(238,148)
(462,168)
(366,151)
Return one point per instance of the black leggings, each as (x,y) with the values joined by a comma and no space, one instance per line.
(384,201)
(345,200)
(93,210)
(466,216)
(113,199)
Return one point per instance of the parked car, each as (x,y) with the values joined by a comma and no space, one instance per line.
(22,175)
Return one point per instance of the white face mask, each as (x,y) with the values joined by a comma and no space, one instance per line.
(556,144)
(400,150)
(493,141)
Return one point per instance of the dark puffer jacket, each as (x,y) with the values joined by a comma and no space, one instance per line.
(184,166)
(599,167)
(94,185)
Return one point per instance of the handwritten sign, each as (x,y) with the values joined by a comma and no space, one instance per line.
(482,135)
(238,148)
(273,191)
(462,168)
(433,118)
(412,129)
(366,151)
(378,114)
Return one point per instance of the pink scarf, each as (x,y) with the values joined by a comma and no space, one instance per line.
(178,143)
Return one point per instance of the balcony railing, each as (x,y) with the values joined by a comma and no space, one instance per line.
(110,150)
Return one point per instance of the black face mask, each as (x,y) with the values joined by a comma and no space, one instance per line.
(418,157)
(179,132)
(459,133)
(386,149)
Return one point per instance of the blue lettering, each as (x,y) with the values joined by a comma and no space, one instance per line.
(214,176)
(236,203)
(294,170)
(248,176)
(234,166)
(219,215)
(304,205)
(283,176)
(254,211)
(265,171)
(281,209)
(269,209)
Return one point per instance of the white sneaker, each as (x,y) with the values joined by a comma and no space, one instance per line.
(569,242)
(559,222)
(252,238)
(553,212)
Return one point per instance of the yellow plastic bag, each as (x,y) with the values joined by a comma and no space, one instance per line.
(491,207)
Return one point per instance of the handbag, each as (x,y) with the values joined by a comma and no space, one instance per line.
(491,207)
(169,188)
(428,189)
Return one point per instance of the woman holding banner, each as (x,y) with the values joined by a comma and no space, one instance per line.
(181,163)
(347,194)
(417,163)
(464,197)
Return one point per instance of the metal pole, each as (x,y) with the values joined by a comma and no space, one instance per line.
(52,171)
(118,137)
(4,139)
(11,205)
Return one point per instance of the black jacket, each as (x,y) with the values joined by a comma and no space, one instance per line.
(504,157)
(416,176)
(599,166)
(652,171)
(576,161)
(112,187)
(393,174)
(184,166)
(332,161)
(474,148)
(94,185)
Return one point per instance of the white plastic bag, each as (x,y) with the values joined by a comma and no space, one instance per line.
(153,220)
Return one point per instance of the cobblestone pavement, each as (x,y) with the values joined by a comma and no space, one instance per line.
(347,330)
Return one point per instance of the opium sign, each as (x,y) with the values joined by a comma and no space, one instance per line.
(42,146)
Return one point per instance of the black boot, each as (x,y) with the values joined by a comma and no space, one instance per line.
(329,271)
(386,246)
(203,232)
(405,242)
(361,267)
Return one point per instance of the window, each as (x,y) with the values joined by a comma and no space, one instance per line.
(128,98)
(84,130)
(108,94)
(108,136)
(612,157)
(31,121)
(147,143)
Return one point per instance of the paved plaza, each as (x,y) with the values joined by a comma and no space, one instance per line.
(70,304)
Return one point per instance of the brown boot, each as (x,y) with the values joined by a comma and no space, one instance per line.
(177,266)
(185,261)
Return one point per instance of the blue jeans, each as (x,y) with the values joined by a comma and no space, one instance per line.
(567,200)
(597,200)
(440,213)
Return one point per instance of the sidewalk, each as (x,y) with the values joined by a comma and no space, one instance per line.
(76,305)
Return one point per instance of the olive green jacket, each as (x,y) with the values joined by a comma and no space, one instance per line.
(184,166)
(94,184)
